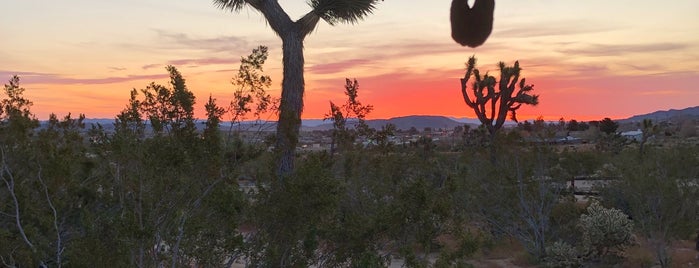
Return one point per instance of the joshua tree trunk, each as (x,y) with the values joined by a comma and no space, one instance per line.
(291,104)
(292,35)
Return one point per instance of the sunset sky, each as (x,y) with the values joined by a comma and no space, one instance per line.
(587,59)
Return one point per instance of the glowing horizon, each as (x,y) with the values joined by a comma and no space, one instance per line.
(586,62)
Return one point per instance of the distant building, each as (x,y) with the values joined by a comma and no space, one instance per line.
(635,135)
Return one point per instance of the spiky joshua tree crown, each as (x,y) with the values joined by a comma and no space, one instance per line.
(491,99)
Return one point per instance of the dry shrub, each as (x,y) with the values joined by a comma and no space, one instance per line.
(503,249)
(639,256)
(684,254)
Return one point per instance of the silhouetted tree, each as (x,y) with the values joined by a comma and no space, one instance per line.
(212,133)
(293,34)
(608,126)
(526,126)
(251,88)
(15,115)
(342,135)
(492,100)
(573,125)
(648,129)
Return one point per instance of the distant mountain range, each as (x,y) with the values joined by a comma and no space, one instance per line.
(672,114)
(420,122)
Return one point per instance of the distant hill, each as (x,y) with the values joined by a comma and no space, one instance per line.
(420,122)
(691,112)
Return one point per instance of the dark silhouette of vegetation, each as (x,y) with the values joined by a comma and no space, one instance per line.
(140,194)
(251,88)
(659,194)
(491,99)
(343,136)
(648,130)
(608,126)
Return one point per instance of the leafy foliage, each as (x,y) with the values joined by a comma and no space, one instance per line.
(608,126)
(251,87)
(659,192)
(139,195)
(347,11)
(343,135)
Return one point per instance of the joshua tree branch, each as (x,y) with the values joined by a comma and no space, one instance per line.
(275,15)
(308,22)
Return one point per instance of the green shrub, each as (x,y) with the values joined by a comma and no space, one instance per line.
(562,255)
(605,231)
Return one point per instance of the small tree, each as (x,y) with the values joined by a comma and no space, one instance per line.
(251,88)
(212,134)
(170,110)
(608,126)
(573,125)
(342,136)
(648,129)
(15,116)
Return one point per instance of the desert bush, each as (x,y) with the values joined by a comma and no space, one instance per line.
(562,255)
(564,220)
(605,231)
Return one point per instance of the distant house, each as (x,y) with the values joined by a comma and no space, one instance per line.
(635,135)
(569,140)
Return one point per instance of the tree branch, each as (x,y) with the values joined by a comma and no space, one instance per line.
(59,240)
(11,188)
(275,15)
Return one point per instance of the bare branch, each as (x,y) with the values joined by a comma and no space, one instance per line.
(59,240)
(11,188)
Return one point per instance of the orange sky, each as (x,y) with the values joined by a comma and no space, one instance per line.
(587,59)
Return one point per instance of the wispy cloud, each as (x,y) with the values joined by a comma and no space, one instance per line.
(151,66)
(381,55)
(337,66)
(47,78)
(113,68)
(205,61)
(213,44)
(8,74)
(664,92)
(551,28)
(194,62)
(600,50)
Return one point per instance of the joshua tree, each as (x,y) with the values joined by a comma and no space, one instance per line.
(649,129)
(292,34)
(492,100)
